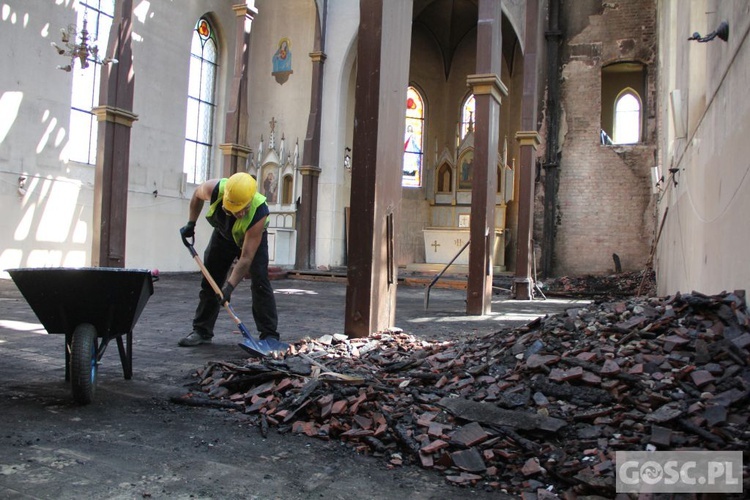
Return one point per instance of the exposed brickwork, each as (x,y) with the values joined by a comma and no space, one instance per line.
(604,199)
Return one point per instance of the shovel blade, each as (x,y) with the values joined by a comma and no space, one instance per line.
(252,349)
(265,347)
(261,348)
(274,346)
(251,345)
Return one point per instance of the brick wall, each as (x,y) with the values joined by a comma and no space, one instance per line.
(604,200)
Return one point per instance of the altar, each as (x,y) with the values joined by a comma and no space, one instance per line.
(441,244)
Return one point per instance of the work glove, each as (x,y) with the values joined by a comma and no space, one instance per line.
(188,230)
(226,293)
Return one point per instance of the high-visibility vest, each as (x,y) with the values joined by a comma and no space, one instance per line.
(240,226)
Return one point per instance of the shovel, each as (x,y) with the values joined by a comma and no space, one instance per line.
(259,348)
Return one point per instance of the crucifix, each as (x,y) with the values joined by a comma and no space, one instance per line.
(435,245)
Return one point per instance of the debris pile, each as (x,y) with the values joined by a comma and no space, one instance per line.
(637,283)
(539,409)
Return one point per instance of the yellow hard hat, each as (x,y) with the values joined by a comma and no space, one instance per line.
(239,191)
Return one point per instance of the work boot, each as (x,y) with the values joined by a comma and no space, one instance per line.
(193,340)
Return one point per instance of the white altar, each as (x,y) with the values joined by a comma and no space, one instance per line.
(441,244)
(450,193)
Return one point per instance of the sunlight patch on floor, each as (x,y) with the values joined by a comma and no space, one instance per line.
(22,326)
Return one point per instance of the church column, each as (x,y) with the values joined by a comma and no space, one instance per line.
(235,150)
(528,141)
(310,171)
(115,117)
(383,48)
(487,89)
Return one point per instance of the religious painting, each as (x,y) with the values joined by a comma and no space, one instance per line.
(466,170)
(282,61)
(270,185)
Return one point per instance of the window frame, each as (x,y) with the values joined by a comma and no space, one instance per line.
(627,92)
(617,77)
(200,115)
(84,125)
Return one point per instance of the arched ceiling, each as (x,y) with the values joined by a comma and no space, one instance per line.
(449,21)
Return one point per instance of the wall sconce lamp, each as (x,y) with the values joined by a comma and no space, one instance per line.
(347,158)
(722,32)
(22,185)
(82,50)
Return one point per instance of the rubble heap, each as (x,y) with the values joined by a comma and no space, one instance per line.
(540,408)
(610,287)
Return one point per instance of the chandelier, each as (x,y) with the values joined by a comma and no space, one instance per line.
(83,50)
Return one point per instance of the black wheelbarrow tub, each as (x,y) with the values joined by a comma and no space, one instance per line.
(86,304)
(111,299)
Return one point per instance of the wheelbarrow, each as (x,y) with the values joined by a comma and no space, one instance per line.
(91,306)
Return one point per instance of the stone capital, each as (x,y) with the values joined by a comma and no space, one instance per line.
(244,10)
(310,170)
(230,148)
(528,138)
(488,83)
(114,115)
(318,56)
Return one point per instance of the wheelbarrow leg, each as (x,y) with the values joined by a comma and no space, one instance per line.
(126,355)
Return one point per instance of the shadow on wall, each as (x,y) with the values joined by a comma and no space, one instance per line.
(50,216)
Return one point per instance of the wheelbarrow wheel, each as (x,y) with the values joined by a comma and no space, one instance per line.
(84,361)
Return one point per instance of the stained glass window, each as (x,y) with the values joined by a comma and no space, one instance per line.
(201,103)
(467,116)
(413,139)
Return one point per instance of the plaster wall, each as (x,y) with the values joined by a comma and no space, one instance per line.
(288,102)
(704,243)
(50,224)
(337,121)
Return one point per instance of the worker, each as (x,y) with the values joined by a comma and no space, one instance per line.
(239,216)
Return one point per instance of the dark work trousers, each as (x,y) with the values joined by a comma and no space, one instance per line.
(218,258)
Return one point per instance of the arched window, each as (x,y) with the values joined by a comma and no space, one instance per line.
(98,16)
(413,139)
(627,118)
(286,190)
(623,110)
(467,116)
(201,104)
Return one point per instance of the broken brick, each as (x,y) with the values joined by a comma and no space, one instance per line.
(531,467)
(434,446)
(469,435)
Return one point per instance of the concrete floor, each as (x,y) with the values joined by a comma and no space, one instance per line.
(132,443)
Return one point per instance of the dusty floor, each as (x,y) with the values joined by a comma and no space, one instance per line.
(131,442)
